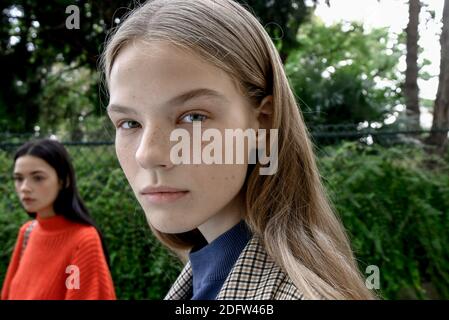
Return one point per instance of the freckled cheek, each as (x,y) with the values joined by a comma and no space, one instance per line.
(121,155)
(125,154)
(123,150)
(213,182)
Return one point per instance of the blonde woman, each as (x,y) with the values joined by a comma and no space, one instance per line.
(175,64)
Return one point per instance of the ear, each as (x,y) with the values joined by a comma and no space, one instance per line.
(265,113)
(66,184)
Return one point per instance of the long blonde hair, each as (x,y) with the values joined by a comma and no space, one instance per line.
(289,210)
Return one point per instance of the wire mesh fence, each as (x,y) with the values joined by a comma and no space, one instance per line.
(94,157)
(95,154)
(365,132)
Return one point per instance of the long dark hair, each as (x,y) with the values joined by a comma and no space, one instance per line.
(68,203)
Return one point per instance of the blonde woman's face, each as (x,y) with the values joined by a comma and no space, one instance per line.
(148,100)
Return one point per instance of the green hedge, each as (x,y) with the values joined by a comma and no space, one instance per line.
(393,202)
(395,205)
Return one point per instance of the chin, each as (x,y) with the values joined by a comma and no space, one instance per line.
(29,209)
(170,227)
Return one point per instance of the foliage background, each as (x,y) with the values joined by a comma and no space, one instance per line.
(393,202)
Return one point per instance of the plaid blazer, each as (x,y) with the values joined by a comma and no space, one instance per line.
(253,277)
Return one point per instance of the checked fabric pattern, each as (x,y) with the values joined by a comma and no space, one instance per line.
(254,277)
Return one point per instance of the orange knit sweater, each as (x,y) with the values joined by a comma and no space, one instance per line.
(62,260)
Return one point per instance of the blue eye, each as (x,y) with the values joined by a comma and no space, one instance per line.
(128,124)
(195,117)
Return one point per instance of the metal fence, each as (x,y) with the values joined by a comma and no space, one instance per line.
(321,134)
(96,153)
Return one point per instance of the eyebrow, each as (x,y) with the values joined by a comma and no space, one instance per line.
(177,100)
(34,172)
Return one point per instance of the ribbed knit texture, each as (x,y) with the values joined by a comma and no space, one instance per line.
(212,263)
(41,273)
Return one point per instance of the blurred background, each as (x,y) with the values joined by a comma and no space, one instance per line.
(372,81)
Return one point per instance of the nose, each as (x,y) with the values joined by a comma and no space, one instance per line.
(154,149)
(25,186)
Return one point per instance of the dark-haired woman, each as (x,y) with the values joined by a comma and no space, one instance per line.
(60,254)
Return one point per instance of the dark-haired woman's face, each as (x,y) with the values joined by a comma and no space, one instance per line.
(37,185)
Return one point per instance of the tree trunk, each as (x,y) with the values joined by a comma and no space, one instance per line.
(411,74)
(441,107)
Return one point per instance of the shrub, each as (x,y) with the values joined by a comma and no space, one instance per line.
(395,205)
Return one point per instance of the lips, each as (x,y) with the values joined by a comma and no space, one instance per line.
(162,194)
(160,189)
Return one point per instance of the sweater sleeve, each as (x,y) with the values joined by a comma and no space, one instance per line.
(88,276)
(14,263)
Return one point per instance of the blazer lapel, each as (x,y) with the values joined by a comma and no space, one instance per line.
(254,276)
(251,270)
(182,289)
